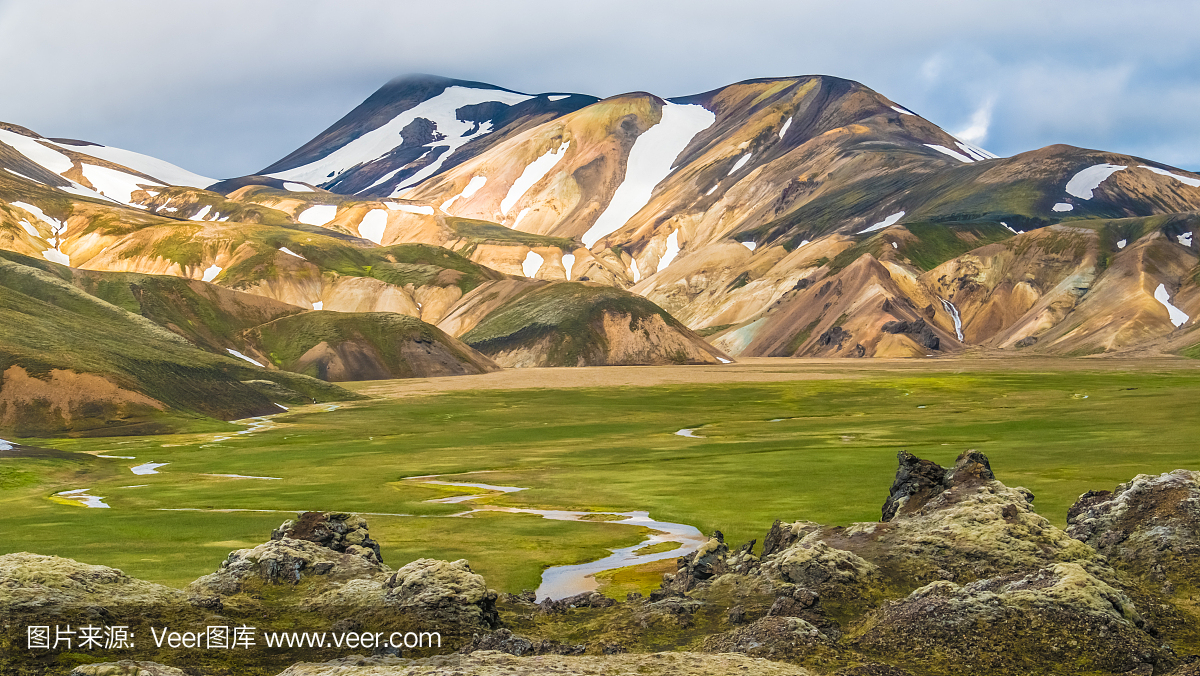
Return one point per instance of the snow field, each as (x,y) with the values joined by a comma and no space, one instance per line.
(650,161)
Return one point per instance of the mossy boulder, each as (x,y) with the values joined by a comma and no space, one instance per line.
(1149,526)
(1016,624)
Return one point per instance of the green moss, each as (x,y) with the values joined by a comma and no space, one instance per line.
(800,338)
(485,232)
(46,324)
(384,334)
(741,280)
(569,312)
(937,243)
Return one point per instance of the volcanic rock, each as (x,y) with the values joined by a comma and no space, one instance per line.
(1150,525)
(918,329)
(771,637)
(1013,624)
(286,561)
(54,586)
(338,531)
(441,593)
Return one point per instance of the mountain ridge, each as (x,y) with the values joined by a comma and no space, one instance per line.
(797,216)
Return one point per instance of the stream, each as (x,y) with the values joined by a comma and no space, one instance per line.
(559,582)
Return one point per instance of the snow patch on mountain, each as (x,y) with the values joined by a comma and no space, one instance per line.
(1083,183)
(289,252)
(211,273)
(373,224)
(750,245)
(968,149)
(783,130)
(1194,182)
(952,153)
(30,229)
(473,186)
(239,355)
(672,251)
(56,256)
(1185,239)
(533,173)
(317,215)
(297,187)
(524,212)
(902,111)
(650,161)
(144,164)
(76,189)
(1063,206)
(38,153)
(887,222)
(114,184)
(531,264)
(1178,317)
(375,144)
(199,215)
(558,97)
(740,163)
(568,261)
(55,224)
(17,173)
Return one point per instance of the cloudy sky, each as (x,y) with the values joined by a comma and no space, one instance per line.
(225,87)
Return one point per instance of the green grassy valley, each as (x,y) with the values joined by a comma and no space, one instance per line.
(816,449)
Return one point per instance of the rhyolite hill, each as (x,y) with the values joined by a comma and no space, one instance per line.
(799,216)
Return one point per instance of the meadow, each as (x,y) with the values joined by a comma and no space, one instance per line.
(822,449)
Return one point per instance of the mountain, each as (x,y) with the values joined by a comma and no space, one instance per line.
(795,216)
(73,363)
(740,210)
(413,128)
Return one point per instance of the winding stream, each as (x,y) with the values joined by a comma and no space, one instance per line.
(559,582)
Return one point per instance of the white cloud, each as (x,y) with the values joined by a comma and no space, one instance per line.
(976,130)
(1051,72)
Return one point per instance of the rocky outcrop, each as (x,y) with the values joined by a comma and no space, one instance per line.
(1150,525)
(917,480)
(771,637)
(126,668)
(284,561)
(999,589)
(812,563)
(324,546)
(441,593)
(712,560)
(489,663)
(331,560)
(49,586)
(338,531)
(918,330)
(959,524)
(1015,624)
